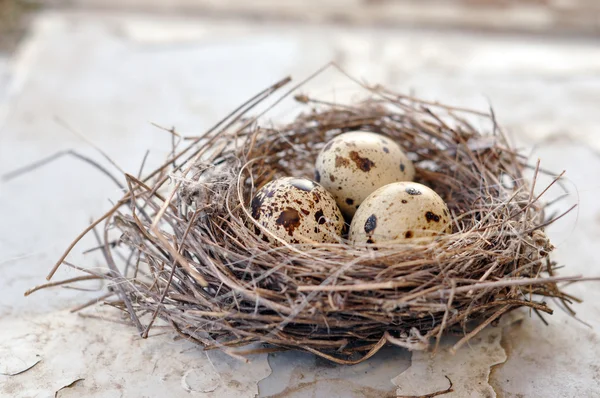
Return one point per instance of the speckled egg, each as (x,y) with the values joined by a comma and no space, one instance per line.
(296,210)
(400,211)
(354,164)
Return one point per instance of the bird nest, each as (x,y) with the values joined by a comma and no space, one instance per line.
(196,262)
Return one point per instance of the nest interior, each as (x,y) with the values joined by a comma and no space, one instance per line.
(193,257)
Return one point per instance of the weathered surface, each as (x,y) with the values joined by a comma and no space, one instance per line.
(108,75)
(468,369)
(297,375)
(99,354)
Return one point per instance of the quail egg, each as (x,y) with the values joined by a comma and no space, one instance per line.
(354,164)
(296,210)
(400,211)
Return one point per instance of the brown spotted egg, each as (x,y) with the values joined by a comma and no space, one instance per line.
(400,211)
(354,164)
(296,210)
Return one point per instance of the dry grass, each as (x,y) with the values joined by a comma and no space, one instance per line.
(193,262)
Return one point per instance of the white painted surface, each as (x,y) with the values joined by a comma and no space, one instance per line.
(113,362)
(109,75)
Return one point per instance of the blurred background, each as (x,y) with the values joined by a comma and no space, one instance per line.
(79,74)
(575,17)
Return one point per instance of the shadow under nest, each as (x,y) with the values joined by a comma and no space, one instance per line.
(197,262)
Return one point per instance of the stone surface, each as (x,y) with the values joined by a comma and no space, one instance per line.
(108,75)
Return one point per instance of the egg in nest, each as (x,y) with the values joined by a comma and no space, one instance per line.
(353,165)
(296,210)
(402,211)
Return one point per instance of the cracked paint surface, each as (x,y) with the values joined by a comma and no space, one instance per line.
(468,369)
(109,360)
(298,374)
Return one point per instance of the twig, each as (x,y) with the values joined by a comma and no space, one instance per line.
(434,394)
(63,282)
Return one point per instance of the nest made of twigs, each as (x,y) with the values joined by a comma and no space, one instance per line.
(196,264)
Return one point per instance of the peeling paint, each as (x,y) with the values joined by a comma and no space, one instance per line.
(468,369)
